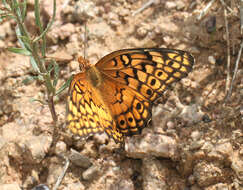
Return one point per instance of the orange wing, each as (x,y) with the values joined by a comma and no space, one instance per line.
(87,113)
(136,78)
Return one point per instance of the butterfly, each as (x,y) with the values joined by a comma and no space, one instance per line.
(116,94)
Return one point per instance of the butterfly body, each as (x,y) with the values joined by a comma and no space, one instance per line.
(116,95)
(94,76)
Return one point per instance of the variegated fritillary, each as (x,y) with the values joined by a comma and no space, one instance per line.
(116,95)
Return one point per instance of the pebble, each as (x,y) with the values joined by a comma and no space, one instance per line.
(180,5)
(41,187)
(207,147)
(79,159)
(207,173)
(154,174)
(22,69)
(211,60)
(2,44)
(142,31)
(191,113)
(194,50)
(74,66)
(6,30)
(196,135)
(2,142)
(170,125)
(113,19)
(38,146)
(240,151)
(84,10)
(191,179)
(196,145)
(60,56)
(101,138)
(10,187)
(90,173)
(151,145)
(195,187)
(225,149)
(220,186)
(124,12)
(73,48)
(124,184)
(61,147)
(74,186)
(237,166)
(170,5)
(65,31)
(55,169)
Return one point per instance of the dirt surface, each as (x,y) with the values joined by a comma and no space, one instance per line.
(195,139)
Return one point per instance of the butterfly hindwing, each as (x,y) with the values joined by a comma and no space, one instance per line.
(87,113)
(130,110)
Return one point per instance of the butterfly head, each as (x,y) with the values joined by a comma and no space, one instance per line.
(84,64)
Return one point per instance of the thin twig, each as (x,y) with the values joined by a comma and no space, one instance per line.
(241,17)
(235,72)
(146,5)
(60,178)
(228,52)
(205,10)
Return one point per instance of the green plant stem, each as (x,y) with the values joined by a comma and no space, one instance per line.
(19,22)
(49,24)
(37,58)
(48,83)
(52,109)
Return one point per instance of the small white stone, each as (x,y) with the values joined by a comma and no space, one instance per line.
(170,125)
(211,59)
(195,135)
(194,50)
(170,5)
(61,147)
(180,5)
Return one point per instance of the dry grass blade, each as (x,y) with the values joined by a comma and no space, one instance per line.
(60,178)
(235,72)
(146,5)
(228,52)
(205,10)
(241,16)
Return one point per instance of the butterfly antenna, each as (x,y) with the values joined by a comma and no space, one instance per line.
(85,39)
(83,62)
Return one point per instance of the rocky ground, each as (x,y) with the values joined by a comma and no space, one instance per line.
(195,139)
